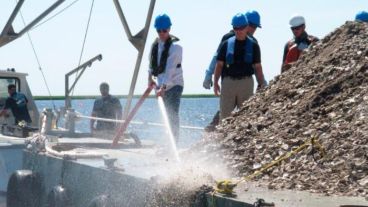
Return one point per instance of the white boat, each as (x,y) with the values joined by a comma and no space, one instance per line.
(54,167)
(61,145)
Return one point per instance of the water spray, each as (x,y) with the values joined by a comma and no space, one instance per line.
(168,126)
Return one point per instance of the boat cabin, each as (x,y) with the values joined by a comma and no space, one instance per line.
(10,76)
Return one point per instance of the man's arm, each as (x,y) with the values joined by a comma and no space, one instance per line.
(221,58)
(93,114)
(218,71)
(8,105)
(150,78)
(259,75)
(258,66)
(286,47)
(207,83)
(211,68)
(283,65)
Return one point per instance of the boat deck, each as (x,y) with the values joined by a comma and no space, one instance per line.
(145,161)
(134,169)
(247,195)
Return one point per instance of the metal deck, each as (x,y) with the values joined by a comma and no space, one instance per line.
(130,181)
(247,195)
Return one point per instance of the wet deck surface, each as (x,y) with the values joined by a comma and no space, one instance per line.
(147,162)
(142,162)
(150,161)
(286,198)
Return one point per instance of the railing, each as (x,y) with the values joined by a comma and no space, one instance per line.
(136,122)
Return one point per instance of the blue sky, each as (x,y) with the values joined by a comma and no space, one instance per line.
(199,24)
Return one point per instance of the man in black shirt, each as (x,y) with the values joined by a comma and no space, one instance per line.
(254,21)
(107,107)
(17,103)
(238,59)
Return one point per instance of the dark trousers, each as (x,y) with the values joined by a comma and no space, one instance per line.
(172,104)
(216,119)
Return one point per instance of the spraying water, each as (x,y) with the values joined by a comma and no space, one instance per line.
(167,124)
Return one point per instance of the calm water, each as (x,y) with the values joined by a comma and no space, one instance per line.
(193,112)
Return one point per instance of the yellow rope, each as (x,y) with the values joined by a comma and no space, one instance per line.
(227,186)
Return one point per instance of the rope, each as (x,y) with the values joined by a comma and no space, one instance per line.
(61,11)
(310,142)
(100,119)
(84,40)
(135,122)
(227,186)
(38,61)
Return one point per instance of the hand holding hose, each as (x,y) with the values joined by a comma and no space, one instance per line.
(161,90)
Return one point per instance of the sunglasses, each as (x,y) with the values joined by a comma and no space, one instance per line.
(239,28)
(253,26)
(297,28)
(161,30)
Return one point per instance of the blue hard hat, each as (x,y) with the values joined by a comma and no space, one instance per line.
(253,17)
(361,16)
(162,21)
(239,20)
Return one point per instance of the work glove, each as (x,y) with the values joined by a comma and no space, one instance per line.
(207,83)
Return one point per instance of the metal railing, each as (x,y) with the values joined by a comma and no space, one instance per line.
(136,122)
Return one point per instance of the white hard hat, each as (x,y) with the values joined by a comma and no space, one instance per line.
(296,20)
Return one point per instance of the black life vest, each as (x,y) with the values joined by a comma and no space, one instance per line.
(248,50)
(159,67)
(246,66)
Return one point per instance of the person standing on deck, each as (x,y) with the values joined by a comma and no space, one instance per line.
(107,107)
(165,68)
(301,41)
(17,103)
(254,21)
(238,59)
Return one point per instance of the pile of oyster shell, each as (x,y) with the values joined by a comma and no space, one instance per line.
(324,95)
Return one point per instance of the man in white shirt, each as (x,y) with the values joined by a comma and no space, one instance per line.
(165,67)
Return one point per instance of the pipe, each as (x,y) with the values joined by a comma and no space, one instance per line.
(135,122)
(130,116)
